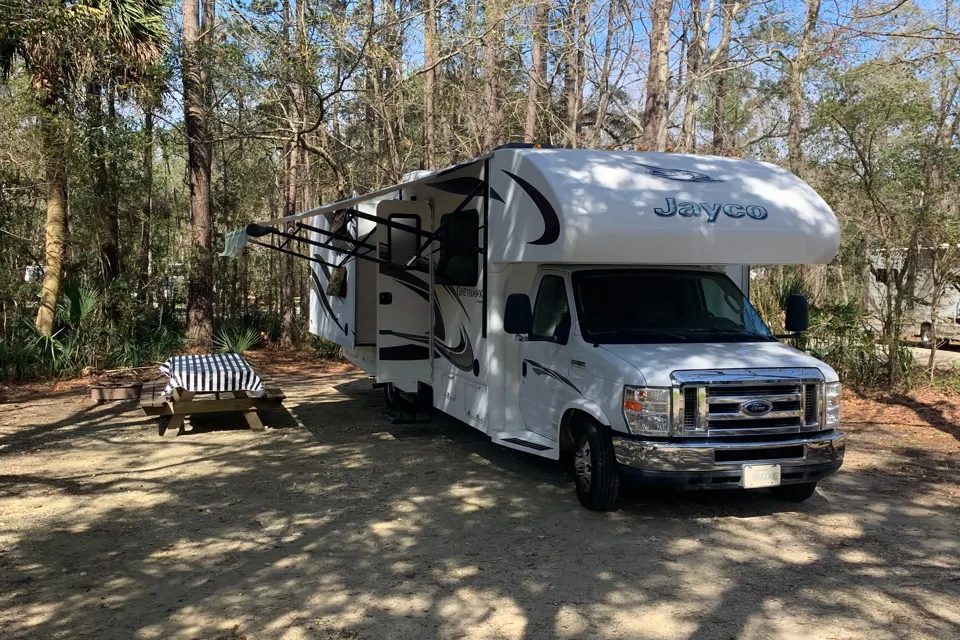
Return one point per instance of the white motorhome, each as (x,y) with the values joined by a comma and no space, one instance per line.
(589,306)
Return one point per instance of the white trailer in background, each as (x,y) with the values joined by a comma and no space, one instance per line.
(590,306)
(927,273)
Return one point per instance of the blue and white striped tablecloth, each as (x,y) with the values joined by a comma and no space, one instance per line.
(210,373)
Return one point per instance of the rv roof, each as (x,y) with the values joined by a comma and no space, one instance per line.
(603,207)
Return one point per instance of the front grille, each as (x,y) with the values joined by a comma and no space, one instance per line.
(812,409)
(690,408)
(725,404)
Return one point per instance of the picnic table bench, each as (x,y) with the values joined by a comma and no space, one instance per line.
(207,384)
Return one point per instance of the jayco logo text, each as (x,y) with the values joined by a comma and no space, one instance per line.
(711,210)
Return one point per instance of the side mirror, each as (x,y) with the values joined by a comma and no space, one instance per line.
(798,314)
(517,317)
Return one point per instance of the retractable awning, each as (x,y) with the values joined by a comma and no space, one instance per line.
(235,241)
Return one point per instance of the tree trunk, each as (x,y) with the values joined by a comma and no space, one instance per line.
(492,43)
(719,114)
(287,291)
(603,101)
(291,155)
(696,49)
(429,88)
(798,67)
(538,69)
(572,87)
(105,195)
(720,58)
(656,112)
(56,231)
(145,229)
(199,164)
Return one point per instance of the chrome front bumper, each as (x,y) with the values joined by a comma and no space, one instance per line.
(719,463)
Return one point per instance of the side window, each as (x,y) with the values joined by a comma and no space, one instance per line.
(402,244)
(551,313)
(458,260)
(720,302)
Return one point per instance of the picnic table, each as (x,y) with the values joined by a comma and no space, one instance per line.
(207,384)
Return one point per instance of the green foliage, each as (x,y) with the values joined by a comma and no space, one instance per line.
(236,340)
(325,349)
(841,336)
(769,294)
(92,332)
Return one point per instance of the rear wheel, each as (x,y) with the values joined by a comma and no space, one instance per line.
(595,467)
(794,492)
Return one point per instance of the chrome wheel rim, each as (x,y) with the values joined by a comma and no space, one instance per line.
(583,465)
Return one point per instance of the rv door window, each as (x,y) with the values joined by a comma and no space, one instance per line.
(458,257)
(402,244)
(551,313)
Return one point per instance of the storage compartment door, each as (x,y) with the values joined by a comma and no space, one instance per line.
(333,291)
(403,295)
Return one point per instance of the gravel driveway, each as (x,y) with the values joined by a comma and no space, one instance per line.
(338,524)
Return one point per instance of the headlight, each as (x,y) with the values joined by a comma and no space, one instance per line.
(831,411)
(647,410)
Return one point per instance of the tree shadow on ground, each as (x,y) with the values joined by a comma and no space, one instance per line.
(350,529)
(926,412)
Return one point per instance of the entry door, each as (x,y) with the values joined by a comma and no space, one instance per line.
(403,296)
(545,358)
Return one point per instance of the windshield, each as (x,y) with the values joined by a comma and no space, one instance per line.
(638,306)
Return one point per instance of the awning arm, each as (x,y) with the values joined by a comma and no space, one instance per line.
(292,253)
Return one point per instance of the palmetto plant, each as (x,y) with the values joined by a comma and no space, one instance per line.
(236,340)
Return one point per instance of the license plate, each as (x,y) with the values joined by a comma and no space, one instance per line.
(760,475)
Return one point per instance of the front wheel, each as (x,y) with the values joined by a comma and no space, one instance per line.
(794,492)
(595,468)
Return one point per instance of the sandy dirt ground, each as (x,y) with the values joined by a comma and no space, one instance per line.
(338,524)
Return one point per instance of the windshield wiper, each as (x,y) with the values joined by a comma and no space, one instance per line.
(735,332)
(620,333)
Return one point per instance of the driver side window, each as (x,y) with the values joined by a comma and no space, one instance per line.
(720,302)
(551,313)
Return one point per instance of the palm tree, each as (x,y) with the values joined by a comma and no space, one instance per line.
(64,45)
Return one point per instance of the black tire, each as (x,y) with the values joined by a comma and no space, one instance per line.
(926,340)
(595,467)
(794,492)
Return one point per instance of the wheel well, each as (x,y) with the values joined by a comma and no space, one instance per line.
(570,420)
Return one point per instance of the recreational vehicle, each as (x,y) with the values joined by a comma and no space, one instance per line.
(586,306)
(921,273)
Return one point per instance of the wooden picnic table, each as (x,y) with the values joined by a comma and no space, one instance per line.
(172,402)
